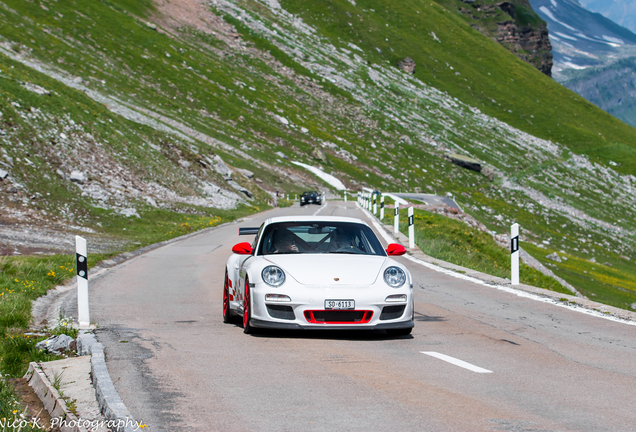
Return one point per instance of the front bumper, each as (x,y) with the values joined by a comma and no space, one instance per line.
(308,303)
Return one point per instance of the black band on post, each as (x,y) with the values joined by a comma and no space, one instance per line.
(514,244)
(82,266)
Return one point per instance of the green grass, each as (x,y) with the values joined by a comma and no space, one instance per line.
(455,242)
(612,284)
(22,280)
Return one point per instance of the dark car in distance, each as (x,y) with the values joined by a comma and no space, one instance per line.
(311,197)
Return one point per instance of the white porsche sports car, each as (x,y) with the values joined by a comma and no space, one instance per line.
(309,272)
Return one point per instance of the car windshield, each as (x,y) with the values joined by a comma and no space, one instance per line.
(319,238)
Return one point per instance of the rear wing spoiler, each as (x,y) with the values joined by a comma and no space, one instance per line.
(248,231)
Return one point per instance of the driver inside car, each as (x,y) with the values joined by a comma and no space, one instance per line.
(341,240)
(284,242)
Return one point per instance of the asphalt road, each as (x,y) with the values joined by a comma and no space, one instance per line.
(177,367)
(428,199)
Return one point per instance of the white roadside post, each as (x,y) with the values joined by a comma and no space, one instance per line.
(375,204)
(382,207)
(83,317)
(396,219)
(514,254)
(411,229)
(345,196)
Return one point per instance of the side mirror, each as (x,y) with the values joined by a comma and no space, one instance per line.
(395,249)
(243,248)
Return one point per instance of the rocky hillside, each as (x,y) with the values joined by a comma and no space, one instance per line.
(121,113)
(515,26)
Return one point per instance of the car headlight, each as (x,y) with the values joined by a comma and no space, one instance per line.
(273,276)
(394,277)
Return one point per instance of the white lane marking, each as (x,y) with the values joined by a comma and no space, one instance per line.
(320,209)
(516,292)
(456,362)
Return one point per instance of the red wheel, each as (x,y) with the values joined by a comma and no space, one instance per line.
(227,315)
(247,309)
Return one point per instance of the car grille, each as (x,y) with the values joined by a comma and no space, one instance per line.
(392,312)
(281,312)
(338,316)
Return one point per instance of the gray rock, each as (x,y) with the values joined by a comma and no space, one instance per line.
(151,201)
(406,139)
(282,155)
(3,174)
(319,154)
(56,344)
(184,163)
(488,172)
(78,177)
(221,168)
(407,65)
(240,188)
(151,26)
(464,161)
(554,257)
(281,120)
(129,212)
(245,173)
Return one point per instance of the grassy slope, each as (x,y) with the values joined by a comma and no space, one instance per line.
(491,79)
(62,198)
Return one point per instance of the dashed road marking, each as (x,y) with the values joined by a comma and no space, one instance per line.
(456,362)
(320,209)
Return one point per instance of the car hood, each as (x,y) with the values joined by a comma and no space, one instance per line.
(324,269)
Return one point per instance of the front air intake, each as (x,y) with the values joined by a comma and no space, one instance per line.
(338,316)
